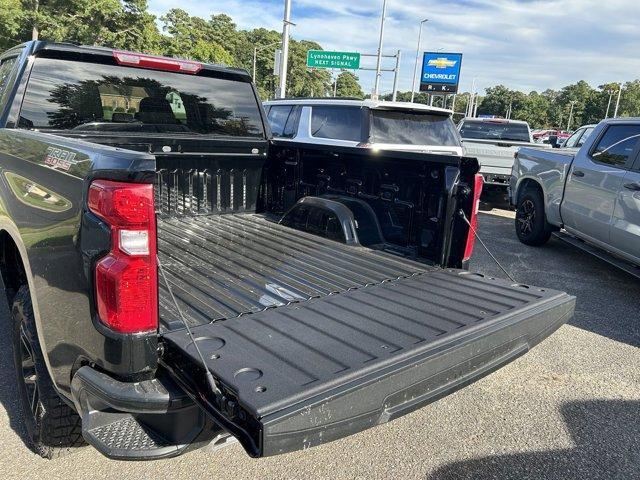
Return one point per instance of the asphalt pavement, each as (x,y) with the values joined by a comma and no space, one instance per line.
(569,409)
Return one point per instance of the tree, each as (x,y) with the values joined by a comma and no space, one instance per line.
(193,38)
(630,100)
(111,23)
(347,85)
(301,81)
(11,23)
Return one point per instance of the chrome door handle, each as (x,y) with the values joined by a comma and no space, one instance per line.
(632,186)
(577,173)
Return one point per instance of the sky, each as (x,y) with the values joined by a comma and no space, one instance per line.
(523,44)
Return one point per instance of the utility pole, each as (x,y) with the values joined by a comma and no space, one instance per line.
(335,86)
(376,88)
(573,102)
(395,76)
(615,113)
(282,90)
(415,67)
(34,32)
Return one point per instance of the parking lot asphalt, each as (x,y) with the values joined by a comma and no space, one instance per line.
(569,409)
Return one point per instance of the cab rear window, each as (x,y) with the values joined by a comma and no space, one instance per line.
(79,96)
(409,128)
(495,130)
(339,123)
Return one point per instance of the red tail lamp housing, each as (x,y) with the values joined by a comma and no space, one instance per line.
(140,60)
(478,182)
(126,279)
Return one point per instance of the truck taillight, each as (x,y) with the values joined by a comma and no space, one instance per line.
(478,182)
(126,278)
(152,62)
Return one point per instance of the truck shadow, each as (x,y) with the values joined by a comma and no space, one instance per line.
(606,296)
(606,434)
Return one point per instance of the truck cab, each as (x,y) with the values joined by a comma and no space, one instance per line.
(494,141)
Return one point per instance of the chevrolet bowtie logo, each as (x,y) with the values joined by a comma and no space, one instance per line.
(441,62)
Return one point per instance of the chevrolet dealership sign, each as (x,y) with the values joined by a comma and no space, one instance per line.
(440,72)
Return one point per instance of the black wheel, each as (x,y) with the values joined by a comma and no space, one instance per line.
(53,428)
(532,227)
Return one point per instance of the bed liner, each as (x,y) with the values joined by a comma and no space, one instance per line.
(225,266)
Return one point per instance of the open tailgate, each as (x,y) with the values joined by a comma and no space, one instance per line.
(307,373)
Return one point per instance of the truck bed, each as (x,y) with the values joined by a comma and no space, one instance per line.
(366,338)
(226,266)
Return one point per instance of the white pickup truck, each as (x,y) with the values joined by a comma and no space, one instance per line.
(592,193)
(494,141)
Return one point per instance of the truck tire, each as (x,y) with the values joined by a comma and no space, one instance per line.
(532,227)
(53,428)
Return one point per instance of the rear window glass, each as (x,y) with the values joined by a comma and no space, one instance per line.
(68,95)
(409,128)
(516,132)
(340,123)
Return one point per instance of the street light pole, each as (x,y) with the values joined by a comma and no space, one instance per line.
(606,115)
(415,67)
(376,88)
(471,98)
(282,90)
(573,102)
(615,113)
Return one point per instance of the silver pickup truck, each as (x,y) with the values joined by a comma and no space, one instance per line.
(593,194)
(494,141)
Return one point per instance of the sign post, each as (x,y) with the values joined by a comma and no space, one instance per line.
(338,60)
(440,72)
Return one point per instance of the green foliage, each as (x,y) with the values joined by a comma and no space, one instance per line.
(347,85)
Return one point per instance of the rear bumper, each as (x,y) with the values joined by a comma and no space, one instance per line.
(496,179)
(138,420)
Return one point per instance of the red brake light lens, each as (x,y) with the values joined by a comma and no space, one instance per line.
(478,182)
(156,63)
(126,279)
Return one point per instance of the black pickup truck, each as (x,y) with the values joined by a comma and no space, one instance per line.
(173,277)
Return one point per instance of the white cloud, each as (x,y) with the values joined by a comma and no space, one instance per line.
(534,44)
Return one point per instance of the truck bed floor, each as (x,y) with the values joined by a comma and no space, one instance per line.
(228,265)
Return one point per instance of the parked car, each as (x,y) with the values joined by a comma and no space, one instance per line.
(494,141)
(172,287)
(593,194)
(370,124)
(578,138)
(555,138)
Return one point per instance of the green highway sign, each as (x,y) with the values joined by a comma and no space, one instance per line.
(324,59)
